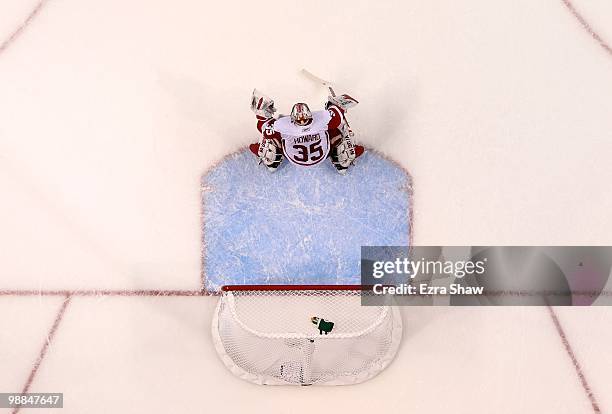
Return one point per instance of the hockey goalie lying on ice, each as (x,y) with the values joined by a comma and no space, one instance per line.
(305,138)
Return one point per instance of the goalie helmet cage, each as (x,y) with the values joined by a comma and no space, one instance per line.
(304,334)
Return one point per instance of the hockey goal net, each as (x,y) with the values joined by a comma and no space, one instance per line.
(303,335)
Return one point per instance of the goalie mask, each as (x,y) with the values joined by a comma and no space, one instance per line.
(300,114)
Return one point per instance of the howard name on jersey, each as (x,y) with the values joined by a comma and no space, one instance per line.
(308,144)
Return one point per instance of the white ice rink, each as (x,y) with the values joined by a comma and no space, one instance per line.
(110,111)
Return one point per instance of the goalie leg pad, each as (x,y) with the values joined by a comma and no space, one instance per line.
(344,152)
(270,154)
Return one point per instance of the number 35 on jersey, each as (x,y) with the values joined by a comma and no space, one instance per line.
(307,149)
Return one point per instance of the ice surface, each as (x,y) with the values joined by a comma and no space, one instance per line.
(112,110)
(158,357)
(299,225)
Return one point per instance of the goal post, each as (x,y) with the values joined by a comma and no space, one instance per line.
(304,334)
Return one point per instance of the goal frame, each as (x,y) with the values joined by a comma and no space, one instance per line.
(263,288)
(379,366)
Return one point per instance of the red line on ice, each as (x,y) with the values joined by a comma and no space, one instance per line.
(204,292)
(9,41)
(587,26)
(93,292)
(45,347)
(572,355)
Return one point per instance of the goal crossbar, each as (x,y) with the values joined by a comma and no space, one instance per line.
(238,288)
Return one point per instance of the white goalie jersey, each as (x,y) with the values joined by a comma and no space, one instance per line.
(305,138)
(305,145)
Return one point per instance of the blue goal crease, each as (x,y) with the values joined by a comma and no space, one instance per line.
(299,225)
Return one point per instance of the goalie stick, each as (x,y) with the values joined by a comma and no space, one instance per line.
(327,84)
(315,78)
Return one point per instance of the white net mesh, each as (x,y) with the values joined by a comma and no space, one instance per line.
(304,336)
